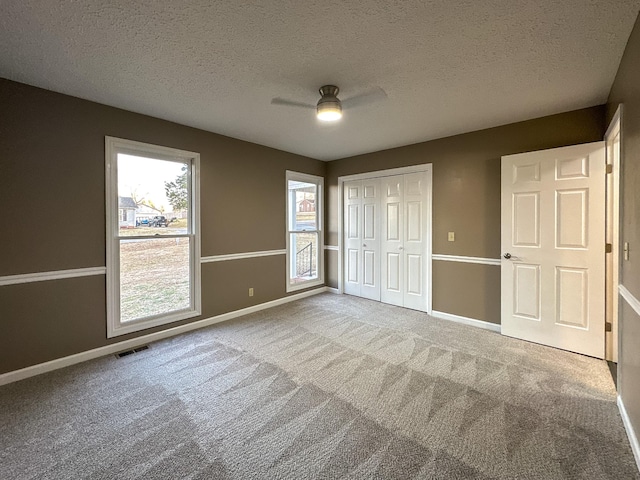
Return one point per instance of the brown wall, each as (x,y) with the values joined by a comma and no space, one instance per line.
(52,196)
(626,90)
(466,199)
(52,173)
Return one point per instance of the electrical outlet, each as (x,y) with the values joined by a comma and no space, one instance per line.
(452,236)
(251,292)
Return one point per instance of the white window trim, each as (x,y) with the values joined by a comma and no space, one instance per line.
(113,146)
(319,181)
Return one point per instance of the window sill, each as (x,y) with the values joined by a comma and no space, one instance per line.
(138,325)
(302,285)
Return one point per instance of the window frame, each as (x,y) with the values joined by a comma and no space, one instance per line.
(113,147)
(319,201)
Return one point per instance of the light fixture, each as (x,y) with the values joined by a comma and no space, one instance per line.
(329,108)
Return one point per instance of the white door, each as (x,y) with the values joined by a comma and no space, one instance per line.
(370,239)
(553,239)
(404,240)
(392,267)
(415,258)
(352,238)
(362,238)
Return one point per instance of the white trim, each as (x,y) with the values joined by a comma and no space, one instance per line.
(630,298)
(52,275)
(334,248)
(494,327)
(628,426)
(612,233)
(113,147)
(319,231)
(333,290)
(340,233)
(196,229)
(89,271)
(386,173)
(239,256)
(616,121)
(429,240)
(463,259)
(306,284)
(33,370)
(150,322)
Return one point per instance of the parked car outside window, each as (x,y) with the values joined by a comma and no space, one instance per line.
(159,221)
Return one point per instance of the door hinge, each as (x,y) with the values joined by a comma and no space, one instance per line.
(608,248)
(609,167)
(608,326)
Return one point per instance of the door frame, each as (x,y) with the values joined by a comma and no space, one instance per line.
(426,168)
(612,339)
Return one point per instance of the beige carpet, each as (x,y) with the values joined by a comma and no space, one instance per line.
(327,387)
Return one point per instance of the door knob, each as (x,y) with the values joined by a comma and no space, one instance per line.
(400,248)
(364,245)
(507,256)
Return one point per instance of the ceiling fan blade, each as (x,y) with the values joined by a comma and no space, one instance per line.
(290,103)
(374,95)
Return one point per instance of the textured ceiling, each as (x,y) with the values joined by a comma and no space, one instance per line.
(447,66)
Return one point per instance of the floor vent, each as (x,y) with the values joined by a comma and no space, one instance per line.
(132,351)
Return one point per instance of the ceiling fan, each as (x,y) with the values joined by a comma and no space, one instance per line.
(329,107)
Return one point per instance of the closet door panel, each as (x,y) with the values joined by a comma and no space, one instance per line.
(415,201)
(385,253)
(392,249)
(352,238)
(370,273)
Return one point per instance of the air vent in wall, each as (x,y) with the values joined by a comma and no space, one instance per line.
(134,350)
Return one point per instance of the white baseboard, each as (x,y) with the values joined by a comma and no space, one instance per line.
(332,290)
(467,321)
(33,370)
(633,439)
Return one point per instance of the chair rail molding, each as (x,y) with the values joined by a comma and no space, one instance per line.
(51,275)
(465,259)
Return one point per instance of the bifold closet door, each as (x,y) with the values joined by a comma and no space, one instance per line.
(403,243)
(362,238)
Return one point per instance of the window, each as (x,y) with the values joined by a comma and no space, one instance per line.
(304,231)
(153,267)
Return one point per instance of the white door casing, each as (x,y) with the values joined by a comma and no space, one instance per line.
(553,213)
(613,142)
